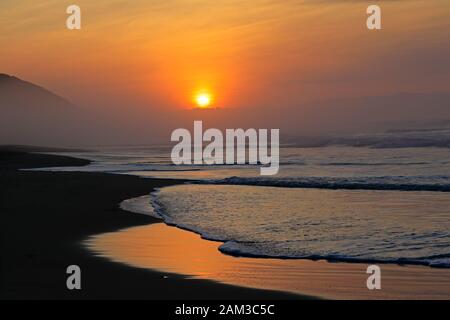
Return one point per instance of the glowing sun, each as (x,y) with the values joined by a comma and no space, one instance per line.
(203,100)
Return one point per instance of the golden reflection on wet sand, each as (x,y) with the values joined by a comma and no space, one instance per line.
(172,250)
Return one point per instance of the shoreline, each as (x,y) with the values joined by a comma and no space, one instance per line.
(46,216)
(158,247)
(240,254)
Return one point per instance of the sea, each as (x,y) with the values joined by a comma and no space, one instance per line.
(335,202)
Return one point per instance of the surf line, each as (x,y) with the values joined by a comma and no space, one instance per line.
(235,151)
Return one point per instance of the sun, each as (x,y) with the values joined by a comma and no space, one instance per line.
(203,100)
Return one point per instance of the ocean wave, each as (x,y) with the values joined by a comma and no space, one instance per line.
(393,139)
(372,164)
(399,183)
(237,249)
(396,246)
(141,205)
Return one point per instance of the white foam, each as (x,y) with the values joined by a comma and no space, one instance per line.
(141,205)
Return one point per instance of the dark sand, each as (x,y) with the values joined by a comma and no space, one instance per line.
(46,215)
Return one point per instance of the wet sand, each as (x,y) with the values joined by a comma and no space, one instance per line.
(173,250)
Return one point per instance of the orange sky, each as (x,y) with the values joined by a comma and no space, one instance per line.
(246,53)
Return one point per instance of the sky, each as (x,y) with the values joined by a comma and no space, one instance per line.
(154,56)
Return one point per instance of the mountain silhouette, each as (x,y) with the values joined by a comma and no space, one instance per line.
(16,93)
(31,114)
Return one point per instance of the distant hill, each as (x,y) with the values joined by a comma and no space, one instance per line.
(16,93)
(30,114)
